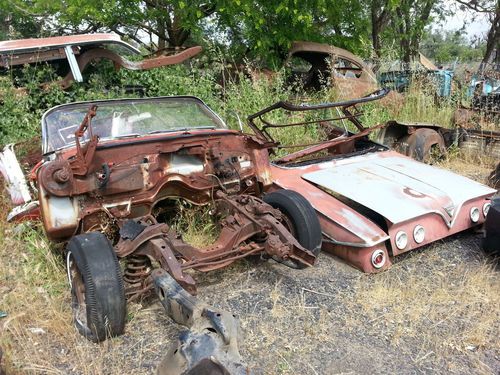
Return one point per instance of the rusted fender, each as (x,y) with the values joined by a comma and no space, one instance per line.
(418,141)
(210,346)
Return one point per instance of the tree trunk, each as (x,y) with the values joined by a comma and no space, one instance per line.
(493,39)
(380,19)
(162,37)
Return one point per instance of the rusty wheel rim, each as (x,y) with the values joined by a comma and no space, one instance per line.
(287,223)
(77,287)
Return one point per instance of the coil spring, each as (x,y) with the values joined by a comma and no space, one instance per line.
(136,277)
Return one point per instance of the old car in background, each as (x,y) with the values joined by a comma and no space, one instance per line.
(422,141)
(484,91)
(399,76)
(316,65)
(372,202)
(71,55)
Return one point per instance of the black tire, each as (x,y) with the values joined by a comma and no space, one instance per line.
(301,216)
(491,242)
(97,291)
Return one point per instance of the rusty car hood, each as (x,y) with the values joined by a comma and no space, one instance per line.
(397,187)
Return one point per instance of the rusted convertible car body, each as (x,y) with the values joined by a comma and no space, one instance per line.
(71,54)
(372,202)
(112,175)
(112,170)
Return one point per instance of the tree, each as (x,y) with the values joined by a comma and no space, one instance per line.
(170,22)
(14,23)
(492,9)
(267,28)
(412,16)
(381,12)
(448,46)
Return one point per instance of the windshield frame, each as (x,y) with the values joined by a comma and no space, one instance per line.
(45,131)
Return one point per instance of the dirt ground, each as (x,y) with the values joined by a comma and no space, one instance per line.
(435,311)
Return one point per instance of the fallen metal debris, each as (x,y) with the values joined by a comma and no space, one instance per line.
(210,346)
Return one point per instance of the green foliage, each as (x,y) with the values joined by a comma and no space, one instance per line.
(448,46)
(267,28)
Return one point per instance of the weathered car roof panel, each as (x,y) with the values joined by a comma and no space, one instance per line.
(33,44)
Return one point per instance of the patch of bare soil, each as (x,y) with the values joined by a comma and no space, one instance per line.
(436,310)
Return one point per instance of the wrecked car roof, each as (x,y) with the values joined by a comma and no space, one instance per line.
(300,46)
(33,44)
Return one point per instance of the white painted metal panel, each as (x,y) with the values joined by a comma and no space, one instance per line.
(399,188)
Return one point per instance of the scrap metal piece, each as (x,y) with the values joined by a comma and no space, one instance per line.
(14,177)
(210,346)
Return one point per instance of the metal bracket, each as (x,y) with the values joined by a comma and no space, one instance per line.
(73,64)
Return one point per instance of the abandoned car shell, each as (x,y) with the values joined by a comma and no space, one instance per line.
(423,141)
(330,65)
(371,202)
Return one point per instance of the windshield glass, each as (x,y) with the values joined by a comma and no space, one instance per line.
(126,118)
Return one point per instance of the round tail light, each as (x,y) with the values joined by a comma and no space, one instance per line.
(474,214)
(401,240)
(378,259)
(419,234)
(486,208)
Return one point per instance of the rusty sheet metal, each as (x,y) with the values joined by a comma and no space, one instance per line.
(346,72)
(397,187)
(87,48)
(313,47)
(210,346)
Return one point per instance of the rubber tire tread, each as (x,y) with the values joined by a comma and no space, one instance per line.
(104,290)
(302,215)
